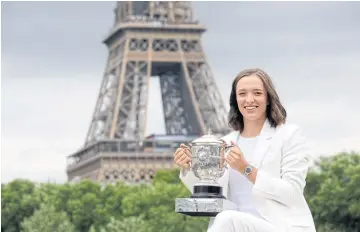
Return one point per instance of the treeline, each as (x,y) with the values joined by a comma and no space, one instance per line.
(332,191)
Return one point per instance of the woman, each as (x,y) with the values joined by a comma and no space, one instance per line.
(269,162)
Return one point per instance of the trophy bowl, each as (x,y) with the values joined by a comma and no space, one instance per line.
(208,164)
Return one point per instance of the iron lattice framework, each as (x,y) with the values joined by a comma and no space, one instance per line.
(150,39)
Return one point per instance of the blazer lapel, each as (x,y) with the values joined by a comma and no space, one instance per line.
(262,145)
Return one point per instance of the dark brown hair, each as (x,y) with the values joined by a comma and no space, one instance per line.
(275,112)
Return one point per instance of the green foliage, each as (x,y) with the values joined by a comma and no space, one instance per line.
(17,202)
(167,176)
(127,224)
(85,205)
(156,202)
(46,219)
(332,192)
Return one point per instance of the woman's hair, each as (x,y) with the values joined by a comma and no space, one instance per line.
(275,112)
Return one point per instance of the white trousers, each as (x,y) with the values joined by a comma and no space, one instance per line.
(234,221)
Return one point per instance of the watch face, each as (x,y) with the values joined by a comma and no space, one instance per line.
(248,170)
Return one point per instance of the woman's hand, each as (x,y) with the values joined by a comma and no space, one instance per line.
(236,159)
(182,156)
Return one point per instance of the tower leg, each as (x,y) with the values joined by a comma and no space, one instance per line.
(131,115)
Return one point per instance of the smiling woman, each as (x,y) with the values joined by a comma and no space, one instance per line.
(253,96)
(268,163)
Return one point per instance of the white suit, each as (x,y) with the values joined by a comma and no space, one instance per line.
(281,157)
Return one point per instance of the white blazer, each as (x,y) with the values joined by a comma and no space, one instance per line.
(282,159)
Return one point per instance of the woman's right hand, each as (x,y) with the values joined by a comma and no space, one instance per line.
(182,156)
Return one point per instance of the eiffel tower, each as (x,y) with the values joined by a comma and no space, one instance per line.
(149,39)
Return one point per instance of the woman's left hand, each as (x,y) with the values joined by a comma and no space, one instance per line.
(236,159)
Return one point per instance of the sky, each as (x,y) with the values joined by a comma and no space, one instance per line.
(52,62)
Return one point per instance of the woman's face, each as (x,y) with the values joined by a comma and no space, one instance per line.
(251,98)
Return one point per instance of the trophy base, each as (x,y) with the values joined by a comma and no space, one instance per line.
(207,191)
(203,207)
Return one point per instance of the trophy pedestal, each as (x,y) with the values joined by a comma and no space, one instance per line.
(209,207)
(207,191)
(207,200)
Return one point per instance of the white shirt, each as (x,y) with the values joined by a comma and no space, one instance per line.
(240,187)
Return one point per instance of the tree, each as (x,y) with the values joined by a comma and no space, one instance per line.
(46,219)
(84,205)
(17,202)
(156,205)
(112,197)
(168,176)
(128,224)
(333,192)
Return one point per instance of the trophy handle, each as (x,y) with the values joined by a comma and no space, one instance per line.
(226,149)
(189,146)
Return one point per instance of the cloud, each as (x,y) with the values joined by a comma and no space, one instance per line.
(53,61)
(51,122)
(43,121)
(47,105)
(41,37)
(36,158)
(328,126)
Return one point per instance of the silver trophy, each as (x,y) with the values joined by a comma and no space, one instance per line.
(207,164)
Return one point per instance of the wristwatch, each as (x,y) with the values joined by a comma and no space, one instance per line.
(247,170)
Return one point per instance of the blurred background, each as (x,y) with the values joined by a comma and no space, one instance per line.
(52,67)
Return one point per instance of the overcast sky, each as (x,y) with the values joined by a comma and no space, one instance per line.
(53,60)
